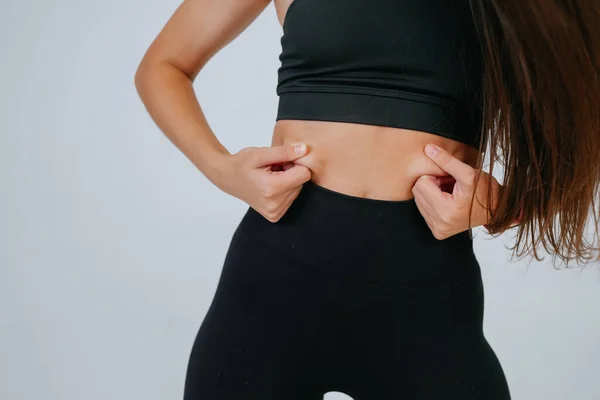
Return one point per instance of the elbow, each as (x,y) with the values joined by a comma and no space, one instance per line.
(145,72)
(146,75)
(149,72)
(141,77)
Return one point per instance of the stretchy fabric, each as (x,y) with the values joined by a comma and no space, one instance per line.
(413,64)
(345,294)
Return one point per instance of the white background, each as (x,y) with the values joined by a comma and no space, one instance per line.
(111,242)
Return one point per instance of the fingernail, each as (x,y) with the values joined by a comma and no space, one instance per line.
(299,148)
(431,150)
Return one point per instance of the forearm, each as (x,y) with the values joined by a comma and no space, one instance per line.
(168,95)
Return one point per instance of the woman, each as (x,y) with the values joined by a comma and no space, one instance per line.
(353,268)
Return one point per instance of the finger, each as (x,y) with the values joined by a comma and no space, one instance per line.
(278,154)
(432,197)
(431,202)
(294,176)
(462,172)
(283,201)
(424,210)
(427,189)
(289,199)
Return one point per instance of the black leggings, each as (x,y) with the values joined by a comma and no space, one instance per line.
(345,294)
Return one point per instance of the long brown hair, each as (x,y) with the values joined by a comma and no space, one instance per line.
(541,121)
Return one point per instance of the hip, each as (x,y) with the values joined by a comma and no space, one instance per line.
(368,239)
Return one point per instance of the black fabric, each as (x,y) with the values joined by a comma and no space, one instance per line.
(414,64)
(345,294)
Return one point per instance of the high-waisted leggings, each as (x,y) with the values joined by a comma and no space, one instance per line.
(345,294)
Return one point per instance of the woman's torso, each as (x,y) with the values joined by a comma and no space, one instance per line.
(379,162)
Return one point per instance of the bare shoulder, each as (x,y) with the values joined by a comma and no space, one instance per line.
(198,29)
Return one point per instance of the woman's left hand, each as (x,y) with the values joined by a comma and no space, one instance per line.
(444,200)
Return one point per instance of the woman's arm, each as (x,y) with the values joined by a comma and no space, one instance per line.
(195,32)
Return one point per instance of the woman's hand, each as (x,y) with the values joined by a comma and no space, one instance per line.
(444,201)
(266,178)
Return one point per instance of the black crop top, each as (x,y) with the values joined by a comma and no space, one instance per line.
(413,64)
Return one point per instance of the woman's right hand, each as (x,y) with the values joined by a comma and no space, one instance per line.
(266,178)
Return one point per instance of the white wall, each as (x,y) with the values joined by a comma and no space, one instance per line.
(111,242)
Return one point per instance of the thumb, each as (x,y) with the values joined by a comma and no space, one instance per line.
(278,154)
(459,170)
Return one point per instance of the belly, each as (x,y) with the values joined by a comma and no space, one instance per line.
(364,160)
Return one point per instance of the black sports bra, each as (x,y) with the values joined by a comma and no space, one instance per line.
(413,64)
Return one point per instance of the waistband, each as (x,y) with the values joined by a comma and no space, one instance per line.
(371,239)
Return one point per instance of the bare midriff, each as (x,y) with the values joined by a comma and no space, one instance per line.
(367,161)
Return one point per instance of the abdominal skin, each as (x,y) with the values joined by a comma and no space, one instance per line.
(365,160)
